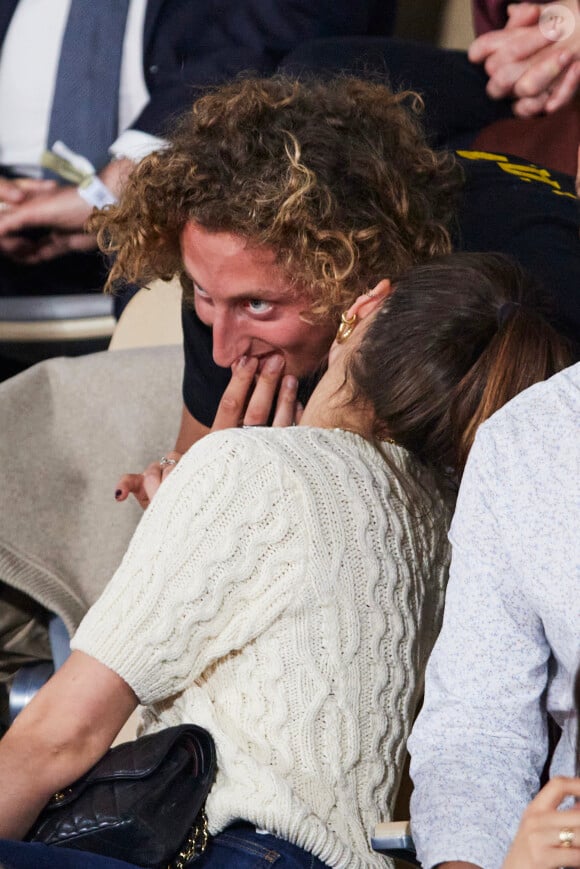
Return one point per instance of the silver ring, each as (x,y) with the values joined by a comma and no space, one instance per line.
(253,426)
(165,462)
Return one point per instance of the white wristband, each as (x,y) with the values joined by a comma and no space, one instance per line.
(93,191)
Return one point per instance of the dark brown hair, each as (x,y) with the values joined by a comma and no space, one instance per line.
(335,177)
(457,338)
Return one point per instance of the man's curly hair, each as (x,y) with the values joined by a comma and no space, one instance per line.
(335,177)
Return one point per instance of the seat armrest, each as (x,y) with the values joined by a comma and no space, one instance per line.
(394,839)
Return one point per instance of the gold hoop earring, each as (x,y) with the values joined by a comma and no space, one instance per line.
(346,327)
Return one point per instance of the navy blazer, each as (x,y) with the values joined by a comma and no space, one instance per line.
(189,44)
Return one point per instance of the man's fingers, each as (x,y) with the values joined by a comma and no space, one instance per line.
(543,74)
(13,220)
(485,45)
(523,14)
(63,210)
(505,46)
(261,402)
(35,186)
(501,84)
(17,247)
(565,90)
(10,193)
(529,107)
(58,244)
(286,406)
(231,407)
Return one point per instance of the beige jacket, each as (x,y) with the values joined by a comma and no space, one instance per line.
(69,428)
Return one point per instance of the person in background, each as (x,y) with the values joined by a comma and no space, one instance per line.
(530,51)
(531,56)
(504,663)
(285,585)
(148,60)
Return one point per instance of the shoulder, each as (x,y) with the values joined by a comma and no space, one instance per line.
(238,454)
(536,421)
(525,457)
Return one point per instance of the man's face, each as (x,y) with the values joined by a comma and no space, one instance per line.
(249,304)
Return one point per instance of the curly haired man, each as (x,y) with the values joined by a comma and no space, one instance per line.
(276,202)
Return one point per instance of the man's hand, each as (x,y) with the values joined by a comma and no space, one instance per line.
(528,62)
(57,212)
(14,191)
(247,400)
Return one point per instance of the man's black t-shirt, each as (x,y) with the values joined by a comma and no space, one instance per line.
(508,205)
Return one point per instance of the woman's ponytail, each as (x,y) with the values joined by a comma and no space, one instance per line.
(457,338)
(524,350)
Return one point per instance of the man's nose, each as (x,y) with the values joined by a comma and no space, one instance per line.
(228,342)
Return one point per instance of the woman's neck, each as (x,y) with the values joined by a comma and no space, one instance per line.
(331,405)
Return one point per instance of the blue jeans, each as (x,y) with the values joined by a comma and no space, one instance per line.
(237,847)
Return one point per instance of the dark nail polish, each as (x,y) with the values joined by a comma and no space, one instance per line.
(118,493)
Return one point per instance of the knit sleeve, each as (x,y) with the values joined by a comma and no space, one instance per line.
(216,559)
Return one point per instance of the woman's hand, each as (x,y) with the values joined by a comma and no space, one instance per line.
(539,843)
(247,400)
(250,399)
(143,486)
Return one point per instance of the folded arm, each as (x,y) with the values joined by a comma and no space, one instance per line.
(65,729)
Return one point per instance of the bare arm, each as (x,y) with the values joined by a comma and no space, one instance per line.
(58,737)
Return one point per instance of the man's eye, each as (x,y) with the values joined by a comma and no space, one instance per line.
(258,306)
(198,291)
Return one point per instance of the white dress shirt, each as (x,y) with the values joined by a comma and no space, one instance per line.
(28,68)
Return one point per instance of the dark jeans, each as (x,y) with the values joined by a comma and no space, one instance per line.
(238,847)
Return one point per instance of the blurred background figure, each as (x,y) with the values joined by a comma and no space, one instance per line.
(112,103)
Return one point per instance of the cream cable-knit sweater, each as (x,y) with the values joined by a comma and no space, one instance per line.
(278,593)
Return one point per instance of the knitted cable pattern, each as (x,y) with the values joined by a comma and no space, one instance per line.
(279,593)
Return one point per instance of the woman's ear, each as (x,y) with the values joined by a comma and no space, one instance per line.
(368,302)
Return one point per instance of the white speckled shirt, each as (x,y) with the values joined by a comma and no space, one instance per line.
(510,642)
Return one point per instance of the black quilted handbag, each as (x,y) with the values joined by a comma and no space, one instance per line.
(143,802)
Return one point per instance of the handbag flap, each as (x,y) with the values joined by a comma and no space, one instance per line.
(140,758)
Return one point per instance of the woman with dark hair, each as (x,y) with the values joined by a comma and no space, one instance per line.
(285,586)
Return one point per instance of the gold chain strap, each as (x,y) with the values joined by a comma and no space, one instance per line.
(194,845)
